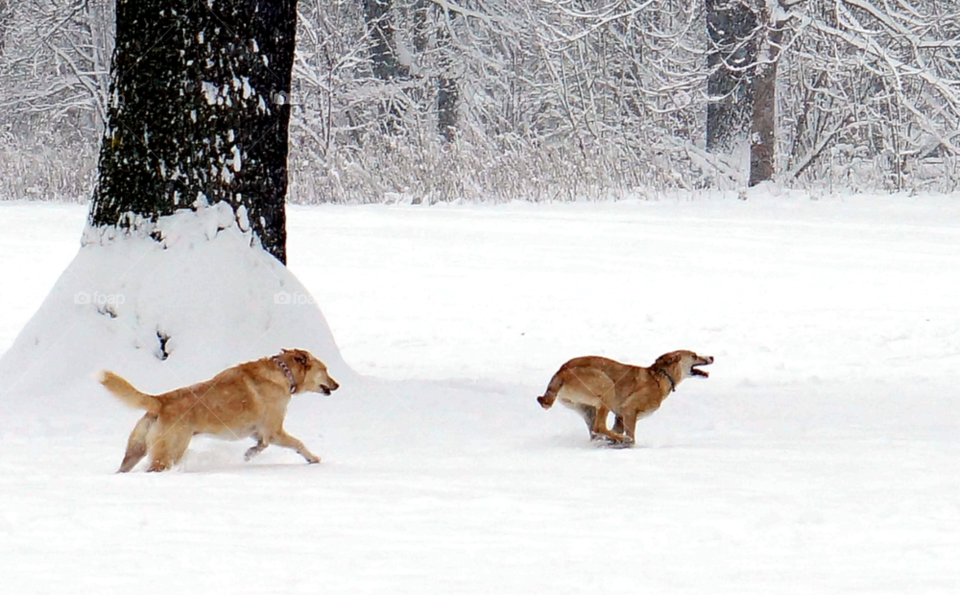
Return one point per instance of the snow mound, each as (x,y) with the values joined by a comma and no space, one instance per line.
(171,304)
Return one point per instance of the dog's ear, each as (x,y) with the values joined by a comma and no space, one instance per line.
(301,358)
(668,359)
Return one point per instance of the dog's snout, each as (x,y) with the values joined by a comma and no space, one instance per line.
(334,385)
(709,359)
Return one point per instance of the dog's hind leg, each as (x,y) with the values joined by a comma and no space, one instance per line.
(598,427)
(599,430)
(169,448)
(617,425)
(285,440)
(137,443)
(587,412)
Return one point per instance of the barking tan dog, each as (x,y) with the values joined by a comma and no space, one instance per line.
(594,386)
(246,400)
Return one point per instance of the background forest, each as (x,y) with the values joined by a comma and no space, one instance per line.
(429,100)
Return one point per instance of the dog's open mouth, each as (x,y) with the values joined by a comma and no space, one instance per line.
(696,371)
(325,390)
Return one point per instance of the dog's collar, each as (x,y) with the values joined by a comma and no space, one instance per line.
(286,372)
(673,385)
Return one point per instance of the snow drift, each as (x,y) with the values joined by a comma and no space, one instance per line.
(168,305)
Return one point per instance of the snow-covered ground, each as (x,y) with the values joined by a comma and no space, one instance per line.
(821,455)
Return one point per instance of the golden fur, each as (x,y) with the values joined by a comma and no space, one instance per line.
(594,386)
(243,401)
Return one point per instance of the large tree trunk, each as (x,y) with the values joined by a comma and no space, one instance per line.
(730,25)
(764,137)
(198,113)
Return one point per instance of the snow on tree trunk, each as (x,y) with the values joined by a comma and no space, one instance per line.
(170,304)
(199,112)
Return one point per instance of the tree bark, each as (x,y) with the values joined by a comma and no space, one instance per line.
(199,113)
(383,55)
(730,25)
(386,66)
(4,18)
(448,92)
(764,138)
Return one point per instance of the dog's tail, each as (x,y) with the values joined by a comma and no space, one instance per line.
(556,383)
(124,391)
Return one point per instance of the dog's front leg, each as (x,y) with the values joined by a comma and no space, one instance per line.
(287,441)
(256,448)
(630,424)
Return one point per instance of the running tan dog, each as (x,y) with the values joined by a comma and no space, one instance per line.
(246,400)
(594,386)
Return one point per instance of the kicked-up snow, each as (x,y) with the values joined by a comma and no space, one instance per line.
(819,457)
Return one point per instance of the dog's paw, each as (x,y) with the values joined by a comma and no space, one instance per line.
(604,441)
(601,441)
(312,460)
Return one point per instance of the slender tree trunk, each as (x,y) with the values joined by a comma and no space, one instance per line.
(386,65)
(421,29)
(199,113)
(448,98)
(448,92)
(764,137)
(4,18)
(730,25)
